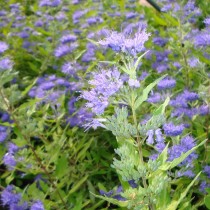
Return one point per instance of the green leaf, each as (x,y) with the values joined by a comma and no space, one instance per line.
(7,76)
(82,154)
(159,20)
(61,166)
(94,42)
(174,204)
(139,59)
(121,3)
(80,54)
(27,89)
(28,104)
(78,185)
(109,62)
(44,32)
(208,190)
(173,21)
(112,200)
(20,141)
(96,205)
(164,198)
(162,107)
(207,201)
(33,67)
(164,155)
(34,193)
(78,204)
(145,94)
(9,178)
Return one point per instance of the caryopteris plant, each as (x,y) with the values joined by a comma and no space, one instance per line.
(104,104)
(152,153)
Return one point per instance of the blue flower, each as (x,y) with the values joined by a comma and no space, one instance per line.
(126,43)
(160,147)
(204,186)
(63,50)
(203,110)
(132,183)
(94,123)
(206,170)
(69,68)
(37,205)
(202,39)
(159,136)
(190,96)
(9,161)
(160,67)
(8,197)
(105,84)
(154,98)
(78,14)
(166,83)
(5,64)
(49,3)
(3,133)
(130,15)
(187,173)
(207,21)
(39,23)
(160,41)
(173,130)
(186,144)
(193,62)
(113,194)
(150,139)
(3,47)
(68,38)
(133,83)
(94,20)
(12,148)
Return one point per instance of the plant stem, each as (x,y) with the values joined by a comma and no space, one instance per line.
(139,142)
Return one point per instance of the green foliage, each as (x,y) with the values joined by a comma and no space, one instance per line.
(174,204)
(207,200)
(119,124)
(139,100)
(157,119)
(128,167)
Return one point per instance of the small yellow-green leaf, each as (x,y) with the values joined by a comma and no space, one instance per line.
(146,92)
(77,185)
(174,204)
(207,201)
(61,166)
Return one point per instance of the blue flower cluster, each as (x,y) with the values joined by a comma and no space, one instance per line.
(105,83)
(14,201)
(5,62)
(131,44)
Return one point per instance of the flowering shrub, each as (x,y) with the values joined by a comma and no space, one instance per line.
(104,104)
